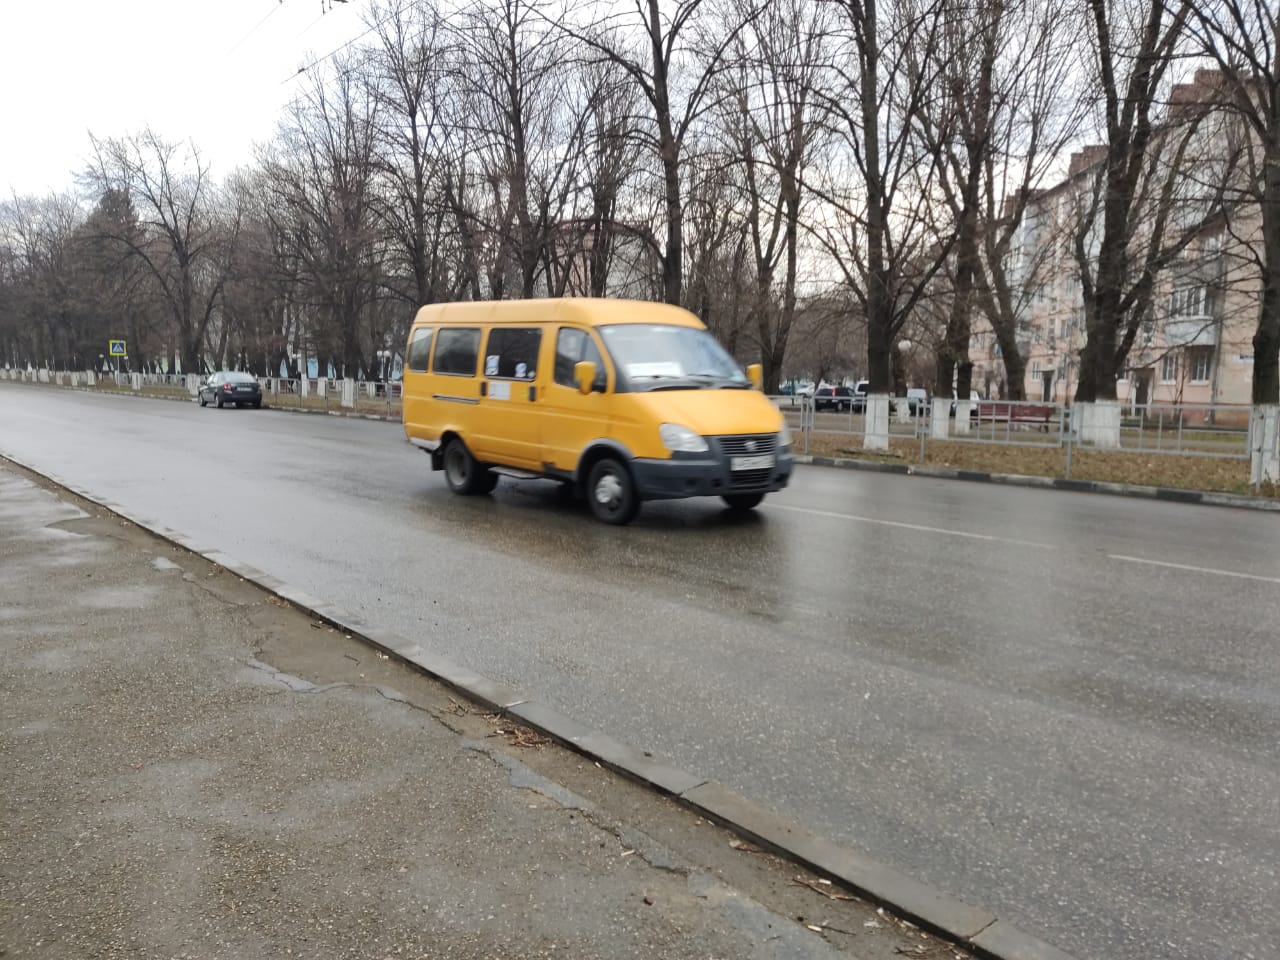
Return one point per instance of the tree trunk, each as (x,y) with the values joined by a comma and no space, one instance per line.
(1015,365)
(1266,339)
(881,331)
(1099,360)
(669,148)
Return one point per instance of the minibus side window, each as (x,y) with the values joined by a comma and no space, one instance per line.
(456,351)
(512,353)
(420,350)
(572,347)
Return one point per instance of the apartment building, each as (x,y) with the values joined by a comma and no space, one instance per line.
(1195,345)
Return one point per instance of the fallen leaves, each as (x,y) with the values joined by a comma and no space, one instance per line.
(521,737)
(823,887)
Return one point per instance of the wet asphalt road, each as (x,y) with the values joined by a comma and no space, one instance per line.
(1063,707)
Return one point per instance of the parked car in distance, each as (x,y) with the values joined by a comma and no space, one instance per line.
(230,386)
(839,399)
(860,396)
(917,400)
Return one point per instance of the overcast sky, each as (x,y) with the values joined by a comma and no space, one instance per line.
(213,72)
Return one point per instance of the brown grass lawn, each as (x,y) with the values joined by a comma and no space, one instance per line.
(1155,470)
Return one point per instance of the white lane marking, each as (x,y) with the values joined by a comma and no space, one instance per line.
(1184,566)
(912,526)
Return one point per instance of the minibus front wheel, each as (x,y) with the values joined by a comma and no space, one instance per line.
(463,474)
(611,492)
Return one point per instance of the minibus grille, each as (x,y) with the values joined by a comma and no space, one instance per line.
(749,445)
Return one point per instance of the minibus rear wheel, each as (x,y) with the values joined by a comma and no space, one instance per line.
(463,474)
(611,492)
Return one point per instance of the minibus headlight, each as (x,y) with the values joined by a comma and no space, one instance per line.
(680,439)
(784,436)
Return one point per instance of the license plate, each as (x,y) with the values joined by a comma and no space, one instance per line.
(752,463)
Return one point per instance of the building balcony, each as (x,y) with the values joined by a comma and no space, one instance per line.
(1194,331)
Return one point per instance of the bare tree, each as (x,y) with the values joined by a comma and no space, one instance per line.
(879,184)
(411,77)
(769,113)
(653,45)
(583,253)
(1010,109)
(719,286)
(1135,42)
(526,133)
(322,181)
(260,319)
(174,196)
(1243,37)
(41,238)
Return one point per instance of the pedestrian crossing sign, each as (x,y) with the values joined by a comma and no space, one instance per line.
(116,348)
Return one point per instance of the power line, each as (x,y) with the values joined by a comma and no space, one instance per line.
(334,52)
(256,26)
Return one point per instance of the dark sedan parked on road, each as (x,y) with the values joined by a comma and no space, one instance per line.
(228,386)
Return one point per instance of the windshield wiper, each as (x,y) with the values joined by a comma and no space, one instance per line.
(681,383)
(719,380)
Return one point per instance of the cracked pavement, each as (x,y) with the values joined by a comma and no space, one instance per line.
(195,769)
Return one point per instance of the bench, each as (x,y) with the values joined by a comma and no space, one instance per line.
(1010,411)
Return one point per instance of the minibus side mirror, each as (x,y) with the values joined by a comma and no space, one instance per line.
(755,373)
(584,374)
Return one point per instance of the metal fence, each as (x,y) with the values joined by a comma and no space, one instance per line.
(1216,431)
(844,417)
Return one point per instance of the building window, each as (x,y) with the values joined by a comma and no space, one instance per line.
(1198,363)
(1169,368)
(1035,369)
(1187,302)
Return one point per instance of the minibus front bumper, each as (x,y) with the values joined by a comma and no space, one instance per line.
(708,474)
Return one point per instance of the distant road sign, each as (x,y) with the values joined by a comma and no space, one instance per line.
(117,348)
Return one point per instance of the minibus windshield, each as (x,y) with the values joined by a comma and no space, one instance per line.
(659,356)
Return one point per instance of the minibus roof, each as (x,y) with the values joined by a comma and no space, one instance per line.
(588,311)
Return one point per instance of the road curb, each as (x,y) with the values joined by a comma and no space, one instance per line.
(1172,494)
(934,910)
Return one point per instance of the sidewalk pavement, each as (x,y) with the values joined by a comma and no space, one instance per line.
(195,769)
